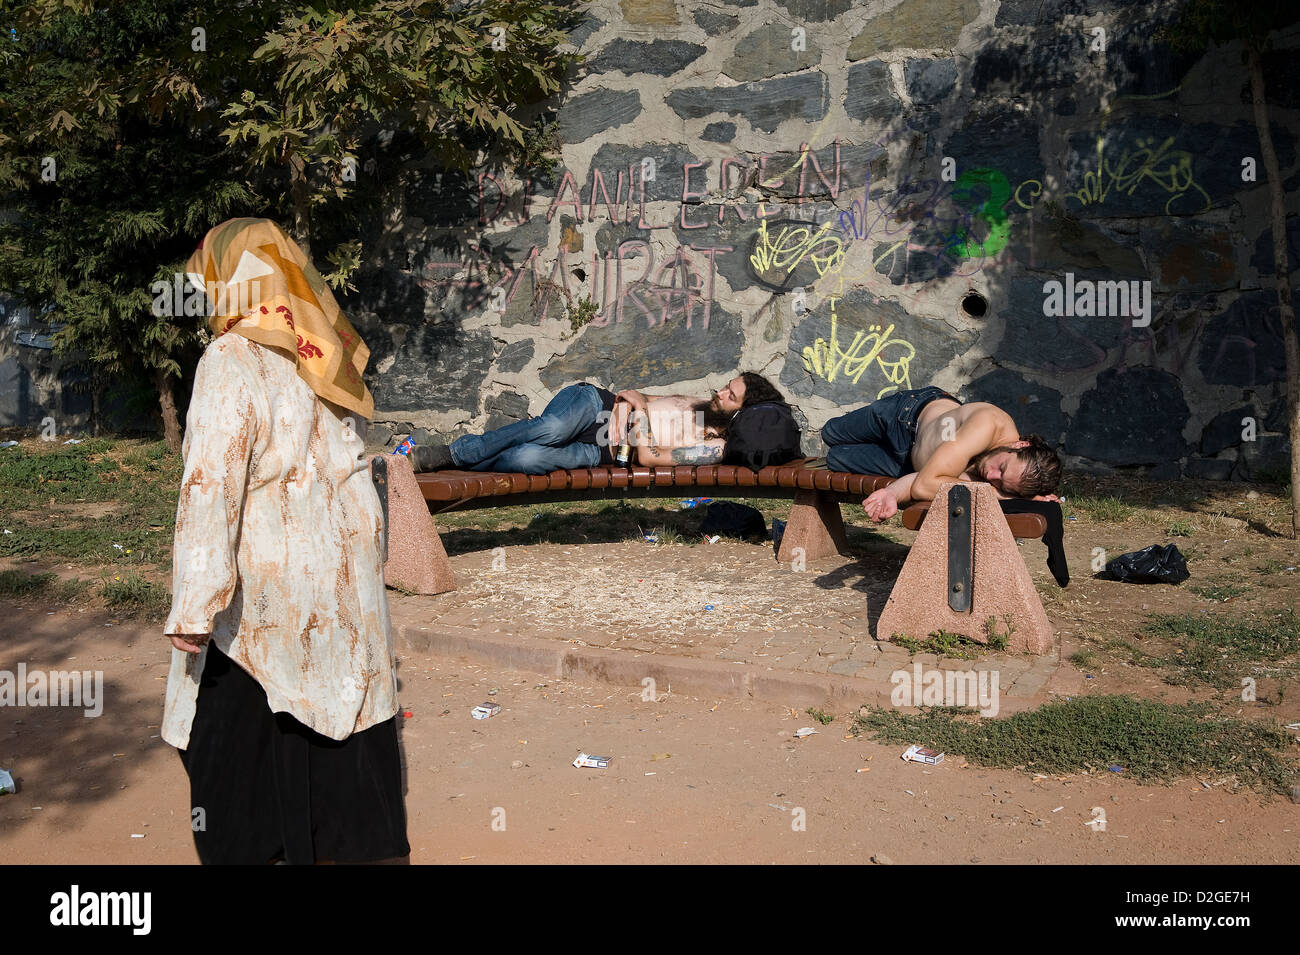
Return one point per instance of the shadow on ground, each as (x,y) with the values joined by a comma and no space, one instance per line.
(72,760)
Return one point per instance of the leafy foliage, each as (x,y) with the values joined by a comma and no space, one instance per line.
(130,127)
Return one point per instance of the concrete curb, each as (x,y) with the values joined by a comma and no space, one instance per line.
(702,678)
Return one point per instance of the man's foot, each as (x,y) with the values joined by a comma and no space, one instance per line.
(431,457)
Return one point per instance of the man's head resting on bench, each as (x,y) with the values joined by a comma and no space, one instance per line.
(1025,468)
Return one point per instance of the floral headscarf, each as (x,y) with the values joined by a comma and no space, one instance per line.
(268,292)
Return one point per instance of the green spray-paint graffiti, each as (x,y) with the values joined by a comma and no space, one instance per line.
(991,210)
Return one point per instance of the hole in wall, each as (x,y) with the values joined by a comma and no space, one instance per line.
(974,304)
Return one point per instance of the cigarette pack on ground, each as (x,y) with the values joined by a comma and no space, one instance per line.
(484,710)
(591,762)
(918,754)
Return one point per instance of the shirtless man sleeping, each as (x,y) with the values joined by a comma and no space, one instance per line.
(926,438)
(583,425)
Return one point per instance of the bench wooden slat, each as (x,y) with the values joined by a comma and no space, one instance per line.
(1032,526)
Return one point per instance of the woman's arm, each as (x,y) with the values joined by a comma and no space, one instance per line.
(220,430)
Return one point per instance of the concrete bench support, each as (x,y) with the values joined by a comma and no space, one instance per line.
(815,526)
(1001,587)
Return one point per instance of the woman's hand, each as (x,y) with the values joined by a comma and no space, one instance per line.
(189,642)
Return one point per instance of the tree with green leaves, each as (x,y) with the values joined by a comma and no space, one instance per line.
(1205,23)
(130,127)
(104,195)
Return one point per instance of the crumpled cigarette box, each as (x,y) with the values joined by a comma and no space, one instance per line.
(591,762)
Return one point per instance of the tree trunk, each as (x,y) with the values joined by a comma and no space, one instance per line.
(167,402)
(1282,271)
(300,228)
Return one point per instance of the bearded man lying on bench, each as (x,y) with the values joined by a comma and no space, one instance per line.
(582,425)
(926,438)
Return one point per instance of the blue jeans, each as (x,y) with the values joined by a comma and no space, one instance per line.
(539,445)
(878,438)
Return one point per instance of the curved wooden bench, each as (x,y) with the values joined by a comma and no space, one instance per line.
(815,527)
(464,490)
(416,560)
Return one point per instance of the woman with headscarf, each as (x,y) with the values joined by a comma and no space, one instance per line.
(282,695)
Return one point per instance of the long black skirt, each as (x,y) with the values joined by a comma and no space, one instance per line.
(264,787)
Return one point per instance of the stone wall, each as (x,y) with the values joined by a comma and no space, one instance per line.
(857,197)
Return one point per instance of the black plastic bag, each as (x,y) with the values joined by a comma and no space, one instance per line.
(1152,565)
(733,520)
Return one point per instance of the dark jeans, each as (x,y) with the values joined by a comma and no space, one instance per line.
(539,445)
(878,438)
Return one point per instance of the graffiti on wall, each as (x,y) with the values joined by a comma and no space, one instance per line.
(876,346)
(1169,170)
(964,222)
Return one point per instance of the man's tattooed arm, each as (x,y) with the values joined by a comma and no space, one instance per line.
(699,454)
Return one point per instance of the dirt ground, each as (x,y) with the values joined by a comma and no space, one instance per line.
(691,780)
(736,783)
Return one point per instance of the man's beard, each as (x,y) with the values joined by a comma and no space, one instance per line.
(712,416)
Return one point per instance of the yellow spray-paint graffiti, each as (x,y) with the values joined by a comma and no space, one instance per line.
(782,251)
(1170,170)
(829,360)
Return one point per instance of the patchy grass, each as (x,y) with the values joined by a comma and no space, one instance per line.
(821,717)
(1220,650)
(135,596)
(1219,592)
(1103,510)
(1083,659)
(72,503)
(667,534)
(19,583)
(998,639)
(1180,529)
(1152,741)
(16,583)
(944,644)
(98,542)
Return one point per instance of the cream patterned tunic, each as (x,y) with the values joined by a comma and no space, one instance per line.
(277,548)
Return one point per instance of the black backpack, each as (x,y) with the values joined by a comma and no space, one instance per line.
(761,435)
